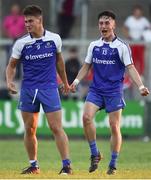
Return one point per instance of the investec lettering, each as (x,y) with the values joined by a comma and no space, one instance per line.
(98,61)
(38,56)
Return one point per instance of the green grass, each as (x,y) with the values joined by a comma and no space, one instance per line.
(134,160)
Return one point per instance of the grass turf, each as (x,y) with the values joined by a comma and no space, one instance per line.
(134,160)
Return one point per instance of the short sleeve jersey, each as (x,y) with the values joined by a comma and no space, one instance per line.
(38,56)
(108,60)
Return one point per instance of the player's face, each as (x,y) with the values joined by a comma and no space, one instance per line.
(33,23)
(107,27)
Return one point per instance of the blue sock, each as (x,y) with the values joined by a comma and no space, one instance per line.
(66,162)
(93,148)
(34,163)
(113,161)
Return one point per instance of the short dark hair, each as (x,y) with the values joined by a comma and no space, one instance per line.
(108,14)
(32,10)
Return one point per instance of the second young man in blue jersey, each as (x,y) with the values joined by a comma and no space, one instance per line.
(40,53)
(109,56)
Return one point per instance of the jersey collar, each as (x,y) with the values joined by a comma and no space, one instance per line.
(44,33)
(109,41)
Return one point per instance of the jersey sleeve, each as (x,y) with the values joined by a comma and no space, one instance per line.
(58,44)
(88,58)
(16,50)
(127,55)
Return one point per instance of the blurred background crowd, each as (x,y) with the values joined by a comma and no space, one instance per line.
(76,22)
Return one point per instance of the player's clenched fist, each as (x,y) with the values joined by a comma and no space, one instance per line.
(143,91)
(12,88)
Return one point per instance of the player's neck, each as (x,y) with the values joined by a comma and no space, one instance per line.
(38,33)
(109,38)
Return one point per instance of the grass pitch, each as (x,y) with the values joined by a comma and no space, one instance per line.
(134,161)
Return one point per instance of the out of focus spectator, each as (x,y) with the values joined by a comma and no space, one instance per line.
(146,35)
(68,10)
(13,24)
(135,24)
(13,28)
(72,64)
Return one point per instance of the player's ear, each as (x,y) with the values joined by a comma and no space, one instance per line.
(40,19)
(114,25)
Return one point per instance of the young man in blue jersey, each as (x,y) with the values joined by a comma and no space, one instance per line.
(109,57)
(40,54)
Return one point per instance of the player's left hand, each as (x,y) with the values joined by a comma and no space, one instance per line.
(144,91)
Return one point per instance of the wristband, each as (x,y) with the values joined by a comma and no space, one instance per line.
(76,82)
(141,87)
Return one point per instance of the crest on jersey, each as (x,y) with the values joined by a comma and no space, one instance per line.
(48,45)
(113,52)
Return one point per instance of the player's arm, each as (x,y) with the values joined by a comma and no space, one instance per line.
(85,68)
(82,73)
(137,80)
(10,74)
(61,71)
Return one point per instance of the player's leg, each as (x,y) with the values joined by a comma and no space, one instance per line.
(55,124)
(52,107)
(89,128)
(116,139)
(90,133)
(30,140)
(29,106)
(114,106)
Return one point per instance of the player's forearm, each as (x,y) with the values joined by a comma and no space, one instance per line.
(10,74)
(62,73)
(61,69)
(135,76)
(83,71)
(63,77)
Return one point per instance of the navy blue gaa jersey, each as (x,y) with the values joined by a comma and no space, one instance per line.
(38,56)
(108,60)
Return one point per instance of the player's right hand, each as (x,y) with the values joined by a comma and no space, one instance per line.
(12,88)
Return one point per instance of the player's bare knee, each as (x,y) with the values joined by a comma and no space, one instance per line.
(87,119)
(115,128)
(30,131)
(56,130)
